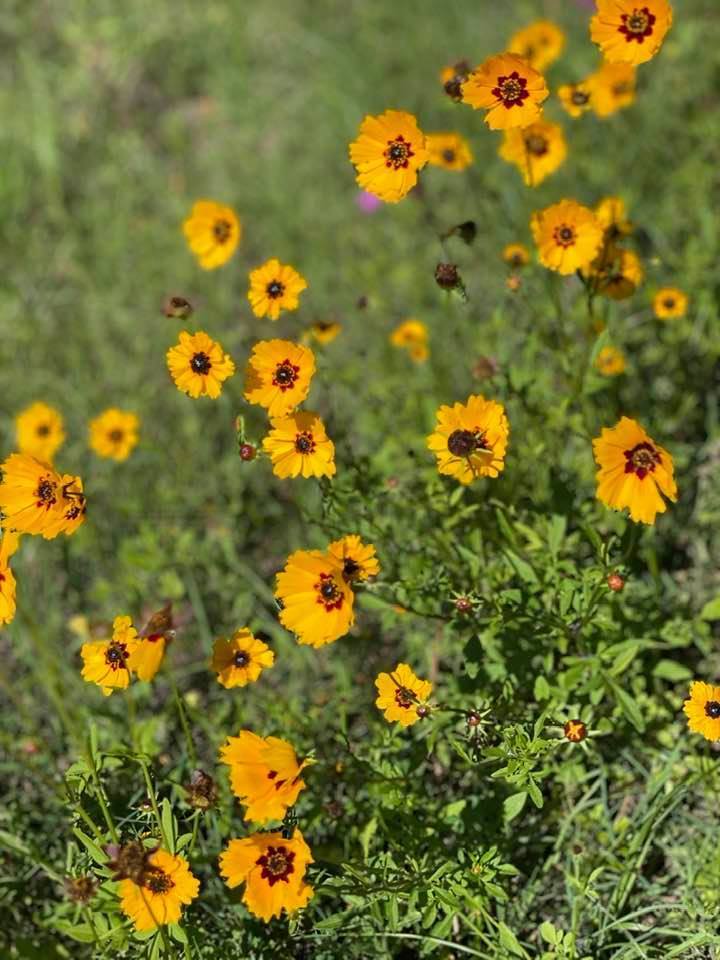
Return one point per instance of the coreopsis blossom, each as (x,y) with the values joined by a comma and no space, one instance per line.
(610,361)
(149,651)
(576,97)
(157,896)
(358,559)
(8,546)
(536,150)
(620,274)
(213,232)
(540,43)
(275,287)
(508,88)
(575,731)
(264,774)
(298,445)
(389,151)
(402,696)
(634,470)
(317,601)
(325,331)
(612,88)
(669,303)
(40,431)
(272,867)
(198,365)
(107,662)
(470,439)
(240,659)
(703,710)
(278,375)
(412,335)
(516,255)
(449,150)
(114,434)
(35,499)
(568,236)
(612,214)
(630,31)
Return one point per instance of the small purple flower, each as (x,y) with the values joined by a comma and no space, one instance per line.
(367,202)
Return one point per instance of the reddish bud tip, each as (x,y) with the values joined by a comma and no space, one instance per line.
(615,582)
(247,452)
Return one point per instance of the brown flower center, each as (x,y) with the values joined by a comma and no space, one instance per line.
(398,153)
(638,24)
(275,289)
(511,90)
(641,460)
(42,430)
(330,594)
(351,569)
(222,230)
(579,98)
(462,443)
(116,435)
(404,698)
(157,881)
(200,363)
(712,709)
(116,656)
(305,442)
(564,235)
(285,375)
(448,155)
(536,144)
(45,493)
(669,303)
(241,658)
(277,864)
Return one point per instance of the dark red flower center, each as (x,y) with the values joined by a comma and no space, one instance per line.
(200,363)
(404,698)
(511,90)
(157,881)
(116,656)
(330,594)
(222,230)
(277,864)
(712,709)
(275,289)
(351,569)
(564,235)
(398,153)
(241,658)
(305,442)
(637,25)
(536,144)
(448,155)
(45,493)
(641,460)
(280,783)
(461,443)
(285,375)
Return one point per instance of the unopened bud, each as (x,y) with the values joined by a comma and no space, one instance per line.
(463,605)
(447,276)
(423,711)
(473,718)
(178,308)
(247,452)
(575,731)
(615,582)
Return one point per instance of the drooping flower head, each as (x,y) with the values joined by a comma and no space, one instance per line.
(470,439)
(317,601)
(36,499)
(402,696)
(8,546)
(213,232)
(612,214)
(107,662)
(298,445)
(449,150)
(114,434)
(241,659)
(275,287)
(412,335)
(389,151)
(618,274)
(703,709)
(453,76)
(157,896)
(198,365)
(358,559)
(40,431)
(575,97)
(630,31)
(634,470)
(516,255)
(540,43)
(278,375)
(669,303)
(610,361)
(568,236)
(508,88)
(272,867)
(612,88)
(264,775)
(536,150)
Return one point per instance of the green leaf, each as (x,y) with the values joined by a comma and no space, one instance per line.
(602,341)
(509,940)
(630,708)
(549,933)
(169,825)
(535,794)
(671,670)
(513,805)
(711,610)
(541,690)
(366,835)
(92,848)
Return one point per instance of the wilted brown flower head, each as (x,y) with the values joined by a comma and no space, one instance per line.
(80,889)
(201,791)
(128,861)
(178,308)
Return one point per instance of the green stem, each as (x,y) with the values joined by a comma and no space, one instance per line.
(184,721)
(100,793)
(153,801)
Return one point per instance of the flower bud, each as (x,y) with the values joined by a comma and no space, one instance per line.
(463,605)
(247,452)
(615,582)
(178,308)
(423,711)
(575,731)
(513,283)
(485,368)
(473,718)
(447,276)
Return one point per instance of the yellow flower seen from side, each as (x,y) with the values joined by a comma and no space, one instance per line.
(358,559)
(278,375)
(630,31)
(264,775)
(575,98)
(621,274)
(536,150)
(612,88)
(610,361)
(36,499)
(114,434)
(299,446)
(402,696)
(508,88)
(412,335)
(703,710)
(634,470)
(540,43)
(8,546)
(272,867)
(40,431)
(612,214)
(516,255)
(241,659)
(325,331)
(107,662)
(198,365)
(164,886)
(669,303)
(147,656)
(568,236)
(213,232)
(388,153)
(470,439)
(452,78)
(449,150)
(317,601)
